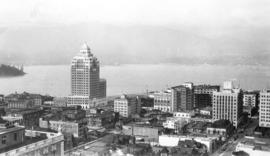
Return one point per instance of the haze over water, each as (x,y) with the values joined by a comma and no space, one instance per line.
(132,78)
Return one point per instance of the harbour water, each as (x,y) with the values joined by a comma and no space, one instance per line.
(55,80)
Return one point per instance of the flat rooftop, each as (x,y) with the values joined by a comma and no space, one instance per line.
(258,143)
(23,111)
(7,130)
(97,145)
(144,125)
(27,141)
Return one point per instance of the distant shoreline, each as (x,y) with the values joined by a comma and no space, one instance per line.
(156,64)
(11,71)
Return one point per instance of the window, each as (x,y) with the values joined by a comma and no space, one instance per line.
(15,136)
(4,139)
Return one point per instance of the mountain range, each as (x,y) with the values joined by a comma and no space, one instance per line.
(135,44)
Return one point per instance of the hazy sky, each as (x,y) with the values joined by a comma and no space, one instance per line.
(188,12)
(137,29)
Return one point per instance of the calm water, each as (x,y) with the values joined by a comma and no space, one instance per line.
(55,80)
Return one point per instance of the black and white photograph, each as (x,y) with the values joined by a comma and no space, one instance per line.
(134,77)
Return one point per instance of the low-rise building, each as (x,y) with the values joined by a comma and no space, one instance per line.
(127,105)
(32,143)
(173,140)
(163,101)
(77,129)
(95,148)
(28,118)
(175,124)
(36,99)
(72,113)
(10,135)
(196,127)
(178,120)
(221,128)
(85,102)
(20,104)
(16,120)
(148,133)
(60,101)
(124,146)
(254,146)
(217,131)
(69,120)
(206,111)
(184,115)
(98,118)
(49,103)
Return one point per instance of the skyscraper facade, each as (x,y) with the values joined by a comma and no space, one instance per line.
(264,118)
(162,101)
(228,104)
(250,99)
(182,97)
(87,89)
(203,95)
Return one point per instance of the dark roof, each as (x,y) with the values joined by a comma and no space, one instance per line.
(207,86)
(2,121)
(179,86)
(24,111)
(27,140)
(164,150)
(11,129)
(240,153)
(221,123)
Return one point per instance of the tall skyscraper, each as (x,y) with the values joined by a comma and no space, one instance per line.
(162,101)
(228,104)
(250,101)
(264,118)
(182,97)
(87,89)
(203,95)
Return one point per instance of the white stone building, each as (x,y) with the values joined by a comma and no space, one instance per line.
(163,101)
(86,86)
(52,145)
(264,118)
(172,141)
(254,146)
(127,106)
(228,104)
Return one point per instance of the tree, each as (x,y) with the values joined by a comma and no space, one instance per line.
(254,111)
(143,112)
